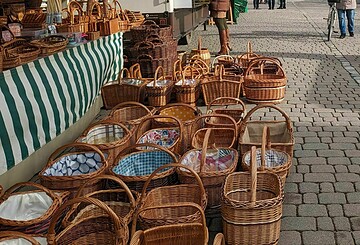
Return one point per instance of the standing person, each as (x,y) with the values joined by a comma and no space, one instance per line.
(282,4)
(218,9)
(271,4)
(346,7)
(256,4)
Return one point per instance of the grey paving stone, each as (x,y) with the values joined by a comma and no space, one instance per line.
(342,146)
(319,177)
(291,188)
(312,160)
(355,223)
(356,236)
(332,198)
(335,210)
(342,223)
(355,160)
(305,153)
(315,146)
(354,169)
(298,223)
(341,169)
(312,210)
(325,224)
(330,153)
(352,153)
(352,210)
(353,197)
(290,238)
(311,140)
(295,178)
(306,187)
(326,187)
(344,187)
(344,238)
(302,169)
(292,198)
(357,186)
(322,169)
(318,237)
(289,210)
(345,139)
(310,198)
(338,160)
(351,177)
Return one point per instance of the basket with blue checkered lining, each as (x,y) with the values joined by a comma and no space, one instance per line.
(109,136)
(71,165)
(136,163)
(156,130)
(268,158)
(212,164)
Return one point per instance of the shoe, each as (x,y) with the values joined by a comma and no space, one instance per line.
(342,36)
(284,8)
(351,34)
(280,7)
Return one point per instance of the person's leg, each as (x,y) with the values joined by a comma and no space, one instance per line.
(284,4)
(222,26)
(273,4)
(281,4)
(342,26)
(350,15)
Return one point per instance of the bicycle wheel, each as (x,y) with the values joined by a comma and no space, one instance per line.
(331,24)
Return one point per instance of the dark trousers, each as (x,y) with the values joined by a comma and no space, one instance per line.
(282,4)
(256,4)
(271,4)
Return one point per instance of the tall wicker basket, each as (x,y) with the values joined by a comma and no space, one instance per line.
(252,206)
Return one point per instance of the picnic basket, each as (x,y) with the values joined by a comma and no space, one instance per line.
(135,164)
(282,133)
(202,52)
(15,237)
(185,113)
(29,211)
(51,44)
(192,233)
(212,164)
(166,131)
(251,206)
(187,88)
(71,165)
(108,136)
(120,199)
(268,159)
(159,90)
(94,229)
(78,21)
(175,194)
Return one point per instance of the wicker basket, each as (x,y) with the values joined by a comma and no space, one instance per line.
(282,134)
(109,136)
(215,87)
(187,89)
(123,20)
(104,229)
(134,166)
(166,131)
(196,62)
(80,161)
(186,114)
(94,18)
(252,204)
(11,237)
(193,233)
(121,200)
(176,194)
(51,44)
(244,59)
(149,27)
(78,20)
(36,201)
(266,65)
(159,90)
(203,53)
(213,165)
(268,159)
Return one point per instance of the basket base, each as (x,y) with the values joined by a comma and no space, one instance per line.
(264,101)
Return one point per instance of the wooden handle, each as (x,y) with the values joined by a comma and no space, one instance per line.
(156,76)
(204,149)
(225,101)
(8,235)
(128,104)
(265,145)
(254,63)
(253,173)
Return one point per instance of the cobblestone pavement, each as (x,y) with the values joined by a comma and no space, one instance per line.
(322,194)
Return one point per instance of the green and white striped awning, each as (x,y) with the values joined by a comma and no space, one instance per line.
(41,99)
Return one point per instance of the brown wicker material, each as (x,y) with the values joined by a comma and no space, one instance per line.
(216,87)
(194,233)
(244,59)
(149,27)
(187,89)
(210,169)
(149,65)
(159,90)
(51,44)
(282,134)
(72,182)
(186,114)
(10,235)
(121,200)
(97,229)
(123,20)
(40,225)
(263,161)
(136,182)
(194,192)
(252,206)
(135,18)
(94,18)
(265,95)
(26,52)
(219,239)
(222,138)
(196,62)
(33,20)
(109,136)
(203,53)
(1,189)
(163,124)
(233,107)
(78,21)
(269,65)
(11,58)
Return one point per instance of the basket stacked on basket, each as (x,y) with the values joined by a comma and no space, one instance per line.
(51,44)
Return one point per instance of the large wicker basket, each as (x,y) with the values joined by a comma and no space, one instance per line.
(159,90)
(252,206)
(187,89)
(176,194)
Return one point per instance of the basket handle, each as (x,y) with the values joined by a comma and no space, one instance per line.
(196,60)
(113,178)
(128,104)
(249,50)
(105,122)
(265,144)
(219,239)
(225,101)
(222,56)
(177,68)
(196,110)
(191,72)
(17,234)
(148,22)
(119,226)
(156,41)
(121,74)
(204,148)
(133,69)
(82,146)
(258,107)
(145,57)
(144,45)
(256,61)
(253,174)
(152,36)
(15,187)
(156,76)
(193,143)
